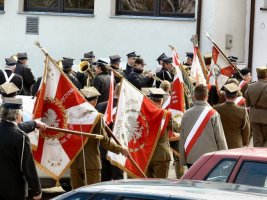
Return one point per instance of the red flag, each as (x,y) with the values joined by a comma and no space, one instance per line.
(175,57)
(138,126)
(59,104)
(108,117)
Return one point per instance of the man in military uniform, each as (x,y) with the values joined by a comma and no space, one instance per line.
(115,61)
(164,73)
(130,63)
(102,80)
(91,152)
(17,164)
(256,98)
(8,76)
(160,161)
(234,119)
(138,78)
(67,64)
(83,76)
(210,138)
(25,72)
(160,62)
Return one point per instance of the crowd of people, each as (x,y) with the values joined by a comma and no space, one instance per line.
(217,120)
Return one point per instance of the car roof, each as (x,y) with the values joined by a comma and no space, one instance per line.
(249,151)
(176,188)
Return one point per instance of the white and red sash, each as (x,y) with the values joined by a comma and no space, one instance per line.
(198,128)
(240,101)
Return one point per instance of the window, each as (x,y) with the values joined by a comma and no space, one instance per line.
(62,6)
(252,173)
(222,171)
(158,8)
(1,4)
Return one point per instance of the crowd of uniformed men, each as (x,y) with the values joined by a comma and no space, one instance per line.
(241,112)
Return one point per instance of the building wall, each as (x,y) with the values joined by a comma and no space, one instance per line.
(104,33)
(260,37)
(221,18)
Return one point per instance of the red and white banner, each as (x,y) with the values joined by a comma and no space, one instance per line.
(196,70)
(138,127)
(59,104)
(221,69)
(108,117)
(242,84)
(198,128)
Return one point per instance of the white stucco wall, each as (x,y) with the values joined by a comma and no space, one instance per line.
(221,18)
(260,38)
(104,34)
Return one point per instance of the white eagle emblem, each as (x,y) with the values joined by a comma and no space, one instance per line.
(50,118)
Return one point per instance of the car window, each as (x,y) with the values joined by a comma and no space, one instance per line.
(221,171)
(252,173)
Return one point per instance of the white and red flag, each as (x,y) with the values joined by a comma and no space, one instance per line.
(59,104)
(108,117)
(196,70)
(138,126)
(221,69)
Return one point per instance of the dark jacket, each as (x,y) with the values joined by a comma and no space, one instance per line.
(164,74)
(28,78)
(17,80)
(74,79)
(140,80)
(101,83)
(127,71)
(12,172)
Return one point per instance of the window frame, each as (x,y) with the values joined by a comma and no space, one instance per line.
(2,7)
(60,9)
(155,13)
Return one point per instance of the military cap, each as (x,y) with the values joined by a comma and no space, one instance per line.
(22,56)
(139,61)
(207,59)
(89,55)
(261,72)
(231,87)
(161,56)
(90,93)
(233,58)
(132,54)
(154,92)
(100,63)
(67,62)
(12,103)
(10,62)
(189,55)
(115,58)
(145,91)
(167,59)
(9,88)
(245,71)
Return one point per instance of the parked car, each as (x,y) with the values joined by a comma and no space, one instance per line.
(163,189)
(246,166)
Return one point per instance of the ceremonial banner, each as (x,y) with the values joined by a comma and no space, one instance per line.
(177,97)
(59,104)
(196,70)
(138,127)
(108,117)
(221,69)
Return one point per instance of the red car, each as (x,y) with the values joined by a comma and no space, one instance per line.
(246,166)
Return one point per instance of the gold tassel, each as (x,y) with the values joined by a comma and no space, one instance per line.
(57,183)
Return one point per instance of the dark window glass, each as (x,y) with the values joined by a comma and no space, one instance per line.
(1,4)
(252,173)
(73,6)
(222,171)
(177,7)
(169,8)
